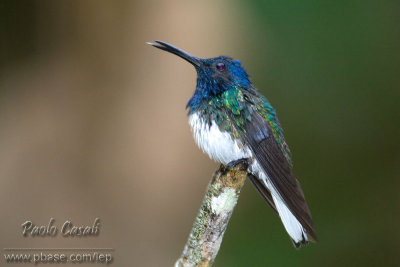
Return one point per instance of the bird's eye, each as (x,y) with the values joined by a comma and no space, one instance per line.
(221,66)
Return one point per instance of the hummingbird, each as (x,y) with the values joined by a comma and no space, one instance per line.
(231,122)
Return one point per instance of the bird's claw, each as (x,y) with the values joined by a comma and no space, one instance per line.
(243,161)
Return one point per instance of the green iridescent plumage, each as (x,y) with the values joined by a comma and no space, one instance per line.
(232,108)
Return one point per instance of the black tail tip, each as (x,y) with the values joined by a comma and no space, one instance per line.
(298,245)
(304,241)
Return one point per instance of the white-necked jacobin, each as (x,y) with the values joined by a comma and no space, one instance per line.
(232,121)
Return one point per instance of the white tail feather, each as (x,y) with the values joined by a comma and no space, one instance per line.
(290,222)
(292,225)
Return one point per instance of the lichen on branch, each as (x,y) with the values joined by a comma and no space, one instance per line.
(212,220)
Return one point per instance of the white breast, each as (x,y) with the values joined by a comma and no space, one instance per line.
(220,146)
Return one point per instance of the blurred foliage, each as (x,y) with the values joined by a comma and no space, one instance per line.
(332,72)
(17,30)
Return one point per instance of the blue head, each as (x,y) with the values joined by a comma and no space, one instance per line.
(214,75)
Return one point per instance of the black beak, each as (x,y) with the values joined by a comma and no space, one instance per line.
(179,52)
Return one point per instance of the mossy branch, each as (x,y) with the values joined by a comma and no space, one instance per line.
(212,220)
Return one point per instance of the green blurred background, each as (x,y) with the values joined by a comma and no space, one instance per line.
(92,124)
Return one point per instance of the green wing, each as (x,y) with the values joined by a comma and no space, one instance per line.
(235,106)
(258,127)
(268,113)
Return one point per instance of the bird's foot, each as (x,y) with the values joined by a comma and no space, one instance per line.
(244,162)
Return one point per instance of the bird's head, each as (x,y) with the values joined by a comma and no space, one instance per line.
(214,75)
